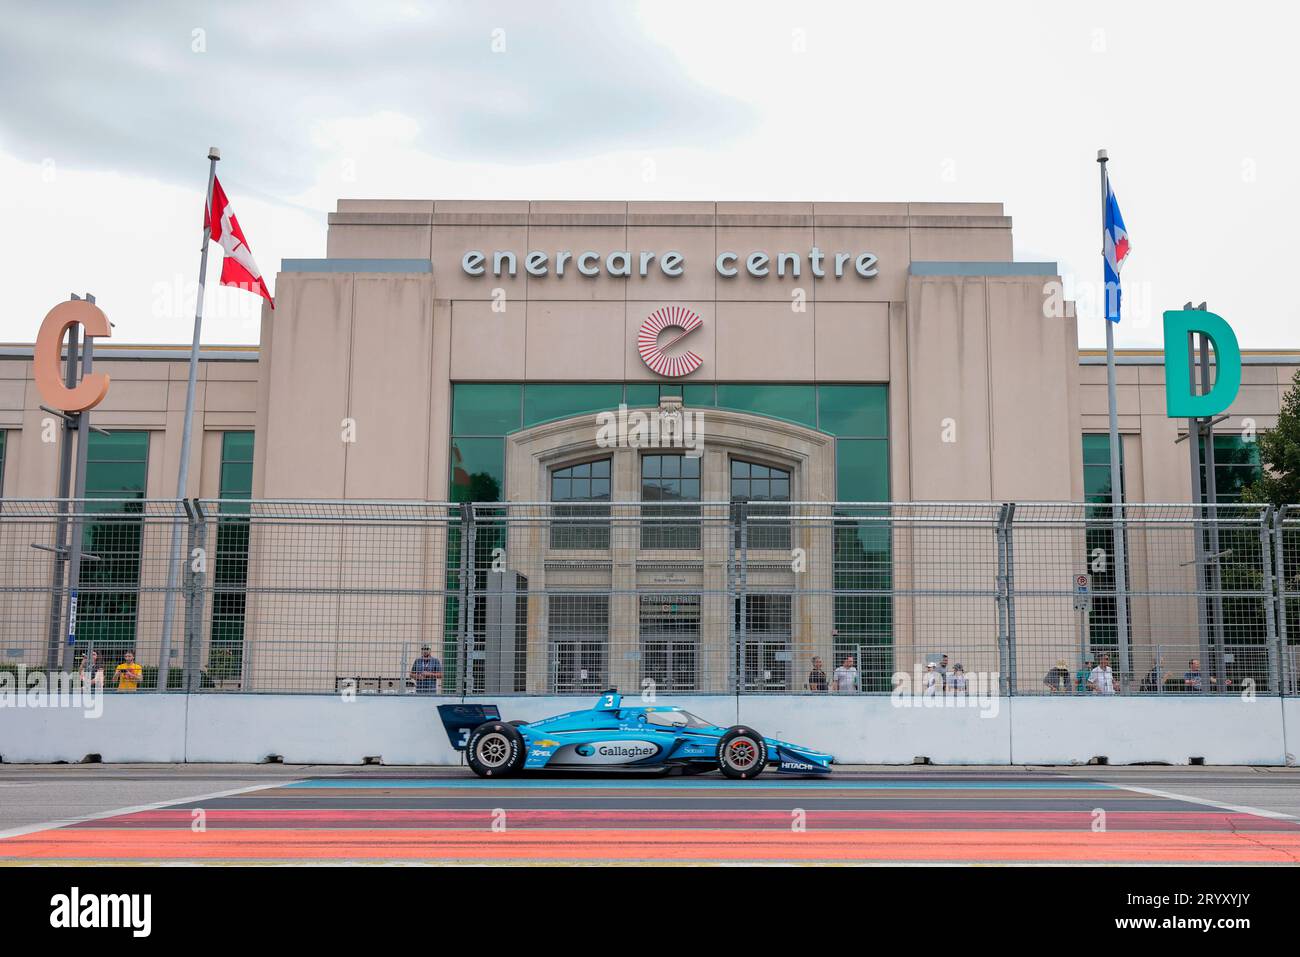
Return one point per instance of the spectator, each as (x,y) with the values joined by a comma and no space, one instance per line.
(942,669)
(1151,683)
(128,673)
(957,683)
(931,678)
(1192,680)
(426,671)
(1058,679)
(1102,681)
(91,671)
(1082,675)
(845,679)
(817,676)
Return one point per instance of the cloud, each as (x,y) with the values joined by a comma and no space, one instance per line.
(145,89)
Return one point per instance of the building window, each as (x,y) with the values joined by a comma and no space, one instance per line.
(670,640)
(1236,465)
(862,575)
(584,523)
(230,569)
(668,484)
(763,488)
(579,643)
(763,648)
(549,401)
(1096,468)
(1103,632)
(108,596)
(794,403)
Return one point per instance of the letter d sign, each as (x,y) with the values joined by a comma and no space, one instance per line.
(1179,400)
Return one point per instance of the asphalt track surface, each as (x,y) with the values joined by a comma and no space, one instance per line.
(891,815)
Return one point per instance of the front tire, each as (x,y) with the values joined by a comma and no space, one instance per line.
(495,750)
(742,753)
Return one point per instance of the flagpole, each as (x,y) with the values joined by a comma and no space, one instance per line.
(1116,474)
(183,476)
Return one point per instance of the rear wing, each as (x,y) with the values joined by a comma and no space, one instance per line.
(461,719)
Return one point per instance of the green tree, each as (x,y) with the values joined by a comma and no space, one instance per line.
(1279,453)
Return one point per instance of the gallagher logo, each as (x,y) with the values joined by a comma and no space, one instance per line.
(585,750)
(656,356)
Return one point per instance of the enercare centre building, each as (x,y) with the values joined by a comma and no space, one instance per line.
(464,351)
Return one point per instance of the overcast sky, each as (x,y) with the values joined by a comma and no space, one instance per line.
(109,109)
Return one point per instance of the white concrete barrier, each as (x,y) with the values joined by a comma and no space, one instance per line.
(1291,729)
(319,729)
(875,729)
(1130,730)
(129,728)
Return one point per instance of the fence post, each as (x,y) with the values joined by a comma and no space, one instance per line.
(731,599)
(1279,552)
(192,583)
(466,574)
(1267,597)
(741,610)
(1004,661)
(1001,533)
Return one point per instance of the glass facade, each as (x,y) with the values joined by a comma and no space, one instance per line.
(1236,465)
(483,414)
(1103,636)
(857,415)
(230,566)
(116,469)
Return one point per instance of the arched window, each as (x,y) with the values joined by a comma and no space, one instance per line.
(584,521)
(764,488)
(669,483)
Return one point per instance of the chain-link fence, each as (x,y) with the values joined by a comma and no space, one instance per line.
(751,597)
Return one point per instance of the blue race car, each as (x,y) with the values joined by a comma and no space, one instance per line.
(615,737)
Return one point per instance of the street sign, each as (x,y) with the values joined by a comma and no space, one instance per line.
(1082,593)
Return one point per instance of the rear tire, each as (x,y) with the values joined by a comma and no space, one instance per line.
(495,750)
(742,753)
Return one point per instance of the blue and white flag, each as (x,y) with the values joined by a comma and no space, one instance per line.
(1116,251)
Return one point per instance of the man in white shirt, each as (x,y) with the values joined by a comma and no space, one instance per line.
(845,678)
(1101,681)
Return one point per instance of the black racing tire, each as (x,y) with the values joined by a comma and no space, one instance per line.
(516,723)
(495,750)
(742,753)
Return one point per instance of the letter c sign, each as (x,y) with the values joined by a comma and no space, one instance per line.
(49,345)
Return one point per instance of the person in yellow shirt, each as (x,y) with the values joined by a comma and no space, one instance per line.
(128,673)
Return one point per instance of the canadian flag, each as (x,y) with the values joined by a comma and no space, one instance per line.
(238,268)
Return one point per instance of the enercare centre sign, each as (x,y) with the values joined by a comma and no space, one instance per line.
(625,263)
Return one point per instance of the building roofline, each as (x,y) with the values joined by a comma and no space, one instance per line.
(1156,357)
(161,352)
